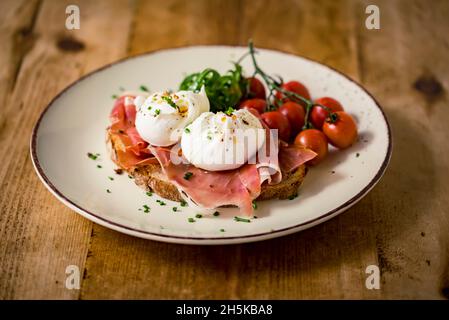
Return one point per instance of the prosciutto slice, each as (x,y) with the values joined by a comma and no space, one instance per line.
(211,189)
(132,150)
(292,156)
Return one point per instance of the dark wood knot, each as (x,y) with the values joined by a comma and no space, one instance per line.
(70,44)
(429,86)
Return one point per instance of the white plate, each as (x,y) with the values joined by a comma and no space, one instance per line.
(74,123)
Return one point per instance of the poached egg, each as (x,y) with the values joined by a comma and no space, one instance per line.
(162,116)
(220,141)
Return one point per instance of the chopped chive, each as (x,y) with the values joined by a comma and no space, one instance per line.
(255,217)
(111,178)
(130,176)
(93,156)
(216,214)
(149,108)
(146,208)
(187,130)
(157,112)
(183,203)
(209,138)
(149,193)
(108,191)
(229,111)
(293,196)
(191,220)
(99,166)
(175,209)
(254,204)
(198,216)
(162,203)
(114,96)
(188,175)
(222,230)
(170,101)
(238,219)
(143,88)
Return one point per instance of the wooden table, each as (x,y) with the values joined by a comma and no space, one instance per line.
(402,225)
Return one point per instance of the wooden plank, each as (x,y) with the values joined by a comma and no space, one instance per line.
(405,65)
(40,236)
(327,261)
(172,23)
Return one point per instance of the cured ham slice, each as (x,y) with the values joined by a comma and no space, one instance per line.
(130,149)
(211,189)
(292,156)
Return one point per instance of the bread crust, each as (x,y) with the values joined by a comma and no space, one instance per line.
(150,177)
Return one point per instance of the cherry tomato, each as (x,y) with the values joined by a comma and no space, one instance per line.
(319,114)
(341,131)
(258,104)
(295,115)
(314,140)
(256,88)
(276,120)
(296,87)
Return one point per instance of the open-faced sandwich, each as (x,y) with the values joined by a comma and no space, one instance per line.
(222,141)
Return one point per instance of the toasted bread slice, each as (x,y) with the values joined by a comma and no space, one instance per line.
(151,177)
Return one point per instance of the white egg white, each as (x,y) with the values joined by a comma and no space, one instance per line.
(162,116)
(218,141)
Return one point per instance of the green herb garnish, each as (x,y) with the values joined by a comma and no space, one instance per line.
(111,178)
(216,214)
(143,88)
(157,112)
(198,216)
(146,208)
(238,219)
(108,191)
(170,101)
(114,96)
(93,156)
(149,193)
(175,209)
(188,175)
(187,130)
(191,220)
(162,203)
(183,203)
(99,166)
(222,230)
(254,204)
(229,111)
(293,196)
(222,90)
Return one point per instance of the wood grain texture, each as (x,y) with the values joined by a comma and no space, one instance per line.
(402,225)
(40,236)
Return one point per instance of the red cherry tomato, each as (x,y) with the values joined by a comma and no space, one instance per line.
(258,104)
(319,114)
(295,115)
(256,89)
(276,120)
(341,131)
(296,87)
(314,140)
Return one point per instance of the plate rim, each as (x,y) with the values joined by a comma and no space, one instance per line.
(192,239)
